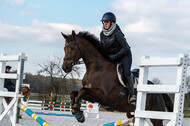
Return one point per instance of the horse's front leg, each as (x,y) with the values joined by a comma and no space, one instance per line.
(89,94)
(73,96)
(76,100)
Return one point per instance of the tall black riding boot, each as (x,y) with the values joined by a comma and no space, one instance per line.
(131,88)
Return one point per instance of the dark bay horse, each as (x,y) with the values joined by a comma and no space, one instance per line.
(100,82)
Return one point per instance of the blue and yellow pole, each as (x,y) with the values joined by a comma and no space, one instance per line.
(33,115)
(118,123)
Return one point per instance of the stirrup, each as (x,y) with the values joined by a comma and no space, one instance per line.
(133,99)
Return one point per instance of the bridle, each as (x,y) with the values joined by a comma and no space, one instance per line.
(75,62)
(75,53)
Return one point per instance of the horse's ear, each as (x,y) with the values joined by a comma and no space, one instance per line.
(73,34)
(64,36)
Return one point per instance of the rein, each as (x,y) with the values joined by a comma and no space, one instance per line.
(75,62)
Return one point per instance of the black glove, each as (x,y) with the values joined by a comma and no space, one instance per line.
(112,57)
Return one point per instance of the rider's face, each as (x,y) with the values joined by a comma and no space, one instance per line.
(107,24)
(8,70)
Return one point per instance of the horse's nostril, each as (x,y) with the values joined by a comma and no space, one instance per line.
(66,67)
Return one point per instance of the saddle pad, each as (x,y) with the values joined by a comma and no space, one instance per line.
(121,80)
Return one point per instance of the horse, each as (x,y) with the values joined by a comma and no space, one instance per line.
(25,92)
(100,82)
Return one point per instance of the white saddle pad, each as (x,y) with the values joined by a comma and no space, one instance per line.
(120,78)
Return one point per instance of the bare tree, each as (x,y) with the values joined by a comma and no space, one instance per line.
(52,68)
(156,81)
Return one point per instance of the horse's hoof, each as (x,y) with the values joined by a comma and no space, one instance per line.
(24,99)
(80,116)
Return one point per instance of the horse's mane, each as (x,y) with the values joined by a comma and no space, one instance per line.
(93,40)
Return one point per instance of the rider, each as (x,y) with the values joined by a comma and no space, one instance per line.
(113,41)
(8,83)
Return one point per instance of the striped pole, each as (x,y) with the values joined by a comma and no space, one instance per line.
(119,123)
(62,103)
(57,109)
(33,115)
(49,102)
(49,108)
(52,106)
(56,106)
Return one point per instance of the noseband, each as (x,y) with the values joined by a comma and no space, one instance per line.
(75,53)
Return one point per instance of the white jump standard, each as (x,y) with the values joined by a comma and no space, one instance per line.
(4,107)
(179,89)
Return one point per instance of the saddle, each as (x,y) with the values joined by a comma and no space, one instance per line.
(121,78)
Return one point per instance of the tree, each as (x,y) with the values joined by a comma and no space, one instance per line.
(38,83)
(156,81)
(52,68)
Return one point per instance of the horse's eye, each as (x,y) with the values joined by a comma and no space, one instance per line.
(72,48)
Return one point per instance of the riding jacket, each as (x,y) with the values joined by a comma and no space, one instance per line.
(9,84)
(115,44)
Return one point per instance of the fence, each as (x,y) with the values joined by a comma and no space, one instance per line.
(179,89)
(4,107)
(53,106)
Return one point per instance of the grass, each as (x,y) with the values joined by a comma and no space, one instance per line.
(59,98)
(186,112)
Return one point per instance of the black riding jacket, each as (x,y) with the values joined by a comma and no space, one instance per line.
(8,82)
(115,44)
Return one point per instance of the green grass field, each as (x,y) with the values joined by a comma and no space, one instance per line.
(186,112)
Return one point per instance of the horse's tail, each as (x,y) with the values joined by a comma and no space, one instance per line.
(168,102)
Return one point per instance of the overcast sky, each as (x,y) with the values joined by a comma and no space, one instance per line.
(158,28)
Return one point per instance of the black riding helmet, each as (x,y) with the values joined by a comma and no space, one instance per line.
(109,16)
(8,67)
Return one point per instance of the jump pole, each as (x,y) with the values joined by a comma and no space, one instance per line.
(128,122)
(33,115)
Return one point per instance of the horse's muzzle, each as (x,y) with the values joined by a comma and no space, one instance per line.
(67,68)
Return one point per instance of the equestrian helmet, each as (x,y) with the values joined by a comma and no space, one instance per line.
(108,16)
(8,67)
